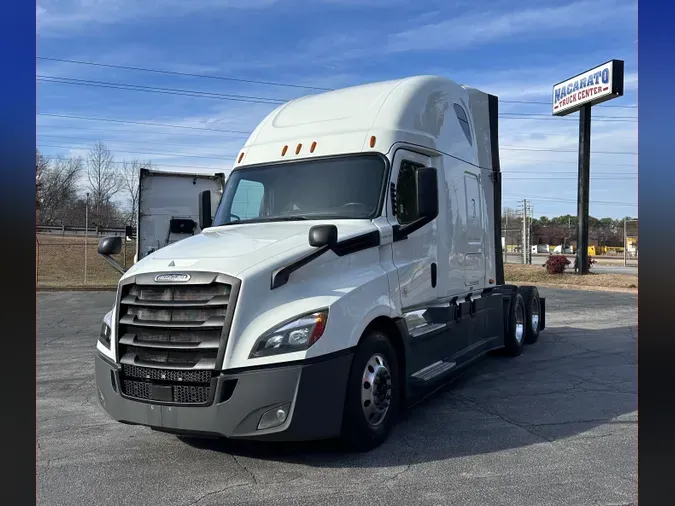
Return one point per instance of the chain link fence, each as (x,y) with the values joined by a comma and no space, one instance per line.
(70,262)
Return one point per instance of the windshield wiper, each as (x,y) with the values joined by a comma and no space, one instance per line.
(269,219)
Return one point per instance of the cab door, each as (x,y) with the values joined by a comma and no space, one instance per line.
(414,256)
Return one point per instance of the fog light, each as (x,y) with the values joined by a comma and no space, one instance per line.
(274,417)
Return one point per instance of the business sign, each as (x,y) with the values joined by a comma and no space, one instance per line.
(594,86)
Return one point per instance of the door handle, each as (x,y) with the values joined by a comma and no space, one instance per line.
(434,274)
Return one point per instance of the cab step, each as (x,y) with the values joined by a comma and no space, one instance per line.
(434,370)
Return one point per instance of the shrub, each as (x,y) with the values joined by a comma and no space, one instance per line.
(555,264)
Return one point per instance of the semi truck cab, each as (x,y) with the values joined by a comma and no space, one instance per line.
(352,264)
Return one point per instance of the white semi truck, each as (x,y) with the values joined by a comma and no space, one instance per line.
(353,265)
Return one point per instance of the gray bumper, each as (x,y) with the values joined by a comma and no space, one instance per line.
(315,390)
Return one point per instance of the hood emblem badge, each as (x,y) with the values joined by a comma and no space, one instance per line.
(172,278)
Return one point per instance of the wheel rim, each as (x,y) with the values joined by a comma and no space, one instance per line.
(520,323)
(535,315)
(376,390)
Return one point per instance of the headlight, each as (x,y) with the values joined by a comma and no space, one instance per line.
(296,335)
(106,326)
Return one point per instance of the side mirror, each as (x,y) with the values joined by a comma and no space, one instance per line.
(323,235)
(205,220)
(111,245)
(427,192)
(129,232)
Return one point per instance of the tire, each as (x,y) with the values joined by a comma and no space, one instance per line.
(377,353)
(516,330)
(532,313)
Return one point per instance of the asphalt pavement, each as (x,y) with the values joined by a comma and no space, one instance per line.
(557,425)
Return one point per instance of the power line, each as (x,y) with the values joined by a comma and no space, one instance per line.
(162,164)
(266,83)
(184,74)
(571,178)
(164,91)
(522,116)
(573,201)
(116,141)
(522,176)
(534,102)
(548,174)
(520,148)
(161,153)
(265,100)
(111,120)
(132,131)
(536,114)
(544,161)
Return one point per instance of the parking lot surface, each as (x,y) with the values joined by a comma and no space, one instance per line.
(557,425)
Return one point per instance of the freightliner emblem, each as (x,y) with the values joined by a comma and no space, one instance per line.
(172,278)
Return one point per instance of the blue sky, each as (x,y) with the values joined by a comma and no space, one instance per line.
(516,50)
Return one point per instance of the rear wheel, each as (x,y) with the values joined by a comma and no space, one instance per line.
(516,327)
(532,312)
(372,399)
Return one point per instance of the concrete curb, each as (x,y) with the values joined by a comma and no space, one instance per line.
(578,288)
(76,289)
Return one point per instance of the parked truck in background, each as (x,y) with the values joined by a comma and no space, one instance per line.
(353,265)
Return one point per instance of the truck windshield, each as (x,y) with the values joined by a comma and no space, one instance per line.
(332,188)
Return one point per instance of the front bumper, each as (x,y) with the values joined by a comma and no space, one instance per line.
(315,391)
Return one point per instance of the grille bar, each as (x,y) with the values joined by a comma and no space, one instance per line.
(212,323)
(219,300)
(210,343)
(204,364)
(171,335)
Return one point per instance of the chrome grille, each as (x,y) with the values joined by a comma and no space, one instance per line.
(170,336)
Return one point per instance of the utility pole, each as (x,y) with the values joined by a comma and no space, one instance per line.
(625,244)
(86,234)
(529,235)
(506,235)
(524,241)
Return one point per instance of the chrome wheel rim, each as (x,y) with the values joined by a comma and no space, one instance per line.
(535,315)
(376,390)
(520,323)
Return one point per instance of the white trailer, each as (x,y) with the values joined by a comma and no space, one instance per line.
(353,264)
(167,207)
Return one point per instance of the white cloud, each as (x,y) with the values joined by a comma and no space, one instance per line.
(62,17)
(480,28)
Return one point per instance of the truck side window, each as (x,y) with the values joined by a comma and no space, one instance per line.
(247,199)
(463,122)
(406,193)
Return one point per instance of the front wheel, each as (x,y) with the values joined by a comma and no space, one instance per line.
(372,398)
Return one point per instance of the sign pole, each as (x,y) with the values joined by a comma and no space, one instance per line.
(584,187)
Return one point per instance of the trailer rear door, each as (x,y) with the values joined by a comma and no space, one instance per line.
(168,207)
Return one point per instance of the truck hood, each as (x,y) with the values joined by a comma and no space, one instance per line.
(240,247)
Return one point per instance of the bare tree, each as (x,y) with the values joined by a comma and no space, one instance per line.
(131,173)
(104,182)
(56,181)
